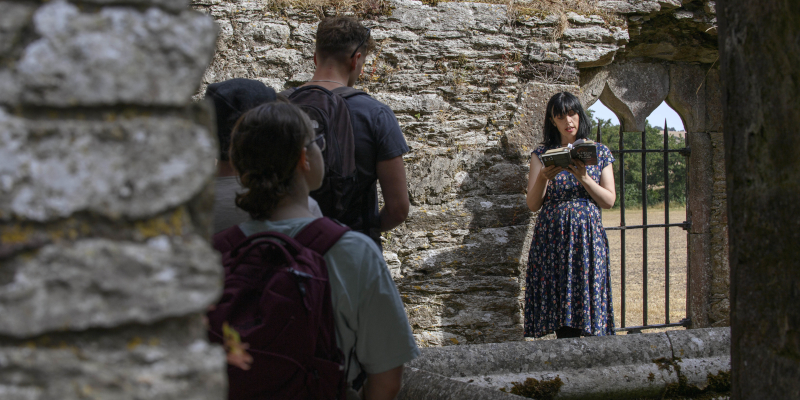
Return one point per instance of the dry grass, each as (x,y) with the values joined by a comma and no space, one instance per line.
(361,8)
(656,254)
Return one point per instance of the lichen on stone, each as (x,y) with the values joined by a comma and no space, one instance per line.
(536,389)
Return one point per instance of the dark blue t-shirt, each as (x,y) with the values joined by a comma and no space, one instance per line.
(377,138)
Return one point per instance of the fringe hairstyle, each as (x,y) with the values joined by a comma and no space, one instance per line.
(561,104)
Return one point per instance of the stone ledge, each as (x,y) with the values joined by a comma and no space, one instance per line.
(627,366)
(131,371)
(102,283)
(424,385)
(120,167)
(115,56)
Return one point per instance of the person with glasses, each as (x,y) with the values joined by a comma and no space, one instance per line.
(342,47)
(280,162)
(231,99)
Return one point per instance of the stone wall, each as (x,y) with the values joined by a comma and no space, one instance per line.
(105,167)
(105,172)
(468,83)
(762,100)
(720,308)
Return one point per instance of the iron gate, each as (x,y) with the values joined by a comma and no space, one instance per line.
(620,156)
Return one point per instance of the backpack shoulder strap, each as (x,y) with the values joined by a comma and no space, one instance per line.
(294,91)
(321,234)
(348,92)
(226,240)
(288,92)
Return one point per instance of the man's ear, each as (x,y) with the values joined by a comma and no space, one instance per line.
(315,58)
(354,61)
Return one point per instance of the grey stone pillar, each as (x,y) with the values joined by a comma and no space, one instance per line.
(759,58)
(105,171)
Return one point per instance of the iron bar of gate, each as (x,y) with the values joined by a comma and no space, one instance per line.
(666,221)
(651,151)
(644,228)
(638,329)
(685,322)
(622,215)
(683,225)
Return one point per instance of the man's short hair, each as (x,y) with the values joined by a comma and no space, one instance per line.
(338,37)
(232,98)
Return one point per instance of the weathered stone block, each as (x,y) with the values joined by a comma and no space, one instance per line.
(714,110)
(630,7)
(266,32)
(471,213)
(420,103)
(136,363)
(123,167)
(590,34)
(486,18)
(526,134)
(102,283)
(687,93)
(698,250)
(115,56)
(14,18)
(584,20)
(171,5)
(593,82)
(700,182)
(634,90)
(588,56)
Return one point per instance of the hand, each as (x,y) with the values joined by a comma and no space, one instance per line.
(578,170)
(551,172)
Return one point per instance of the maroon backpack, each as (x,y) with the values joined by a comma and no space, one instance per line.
(278,298)
(337,196)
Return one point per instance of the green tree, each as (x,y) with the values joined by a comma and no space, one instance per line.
(654,165)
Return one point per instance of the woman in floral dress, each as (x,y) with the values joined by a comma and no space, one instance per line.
(567,285)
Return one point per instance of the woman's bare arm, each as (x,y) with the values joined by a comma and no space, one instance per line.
(383,386)
(603,193)
(538,177)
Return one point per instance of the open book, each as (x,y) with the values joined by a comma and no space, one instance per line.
(583,149)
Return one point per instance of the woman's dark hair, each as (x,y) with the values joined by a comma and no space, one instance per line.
(561,104)
(265,147)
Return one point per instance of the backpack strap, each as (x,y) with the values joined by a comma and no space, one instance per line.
(294,91)
(226,240)
(344,91)
(321,234)
(288,92)
(348,92)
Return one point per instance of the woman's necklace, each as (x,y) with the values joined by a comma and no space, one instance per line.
(325,80)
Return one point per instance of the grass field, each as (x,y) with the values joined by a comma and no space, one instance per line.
(634,270)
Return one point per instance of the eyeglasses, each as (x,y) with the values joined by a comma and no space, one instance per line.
(320,141)
(361,43)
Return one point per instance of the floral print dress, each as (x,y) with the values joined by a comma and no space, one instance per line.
(567,282)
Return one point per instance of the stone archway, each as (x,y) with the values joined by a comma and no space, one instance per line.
(632,90)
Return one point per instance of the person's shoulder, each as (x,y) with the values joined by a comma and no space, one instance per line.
(365,102)
(604,155)
(603,150)
(539,150)
(357,243)
(602,147)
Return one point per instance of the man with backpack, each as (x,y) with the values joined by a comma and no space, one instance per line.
(377,142)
